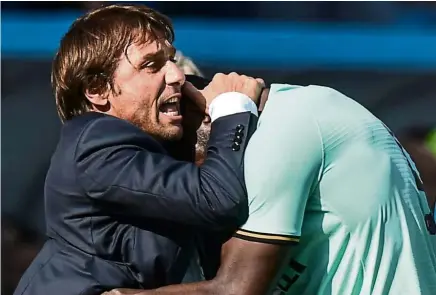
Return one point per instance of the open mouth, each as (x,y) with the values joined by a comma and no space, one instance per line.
(171,107)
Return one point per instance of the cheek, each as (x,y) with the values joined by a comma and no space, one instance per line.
(139,95)
(148,90)
(132,108)
(150,110)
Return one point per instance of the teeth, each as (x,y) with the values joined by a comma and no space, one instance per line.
(171,114)
(171,100)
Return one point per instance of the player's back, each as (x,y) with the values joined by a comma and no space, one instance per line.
(364,230)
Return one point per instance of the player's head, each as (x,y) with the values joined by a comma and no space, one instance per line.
(196,133)
(197,125)
(202,138)
(119,60)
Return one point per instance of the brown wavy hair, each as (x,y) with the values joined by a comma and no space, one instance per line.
(90,51)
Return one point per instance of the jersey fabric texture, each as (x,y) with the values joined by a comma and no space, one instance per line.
(326,175)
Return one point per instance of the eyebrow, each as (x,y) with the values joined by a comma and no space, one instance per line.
(161,53)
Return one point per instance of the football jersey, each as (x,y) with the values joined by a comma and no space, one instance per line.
(327,176)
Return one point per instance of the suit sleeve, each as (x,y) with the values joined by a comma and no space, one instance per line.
(282,166)
(115,170)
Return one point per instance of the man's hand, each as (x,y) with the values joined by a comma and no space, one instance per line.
(233,82)
(222,83)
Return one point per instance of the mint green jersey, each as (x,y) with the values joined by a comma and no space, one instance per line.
(325,174)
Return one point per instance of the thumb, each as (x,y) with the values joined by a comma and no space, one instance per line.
(192,93)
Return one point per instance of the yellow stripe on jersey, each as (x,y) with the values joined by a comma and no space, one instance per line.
(265,238)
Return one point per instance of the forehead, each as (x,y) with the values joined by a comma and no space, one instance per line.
(136,52)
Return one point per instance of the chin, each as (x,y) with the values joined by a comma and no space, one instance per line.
(173,133)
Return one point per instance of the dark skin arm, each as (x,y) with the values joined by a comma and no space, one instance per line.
(247,268)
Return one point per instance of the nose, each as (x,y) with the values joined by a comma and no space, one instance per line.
(174,74)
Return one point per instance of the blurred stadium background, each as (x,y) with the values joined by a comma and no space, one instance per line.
(383,54)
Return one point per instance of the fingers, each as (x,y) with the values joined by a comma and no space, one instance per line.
(222,83)
(122,291)
(263,99)
(261,82)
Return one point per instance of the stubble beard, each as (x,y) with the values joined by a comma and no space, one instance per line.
(143,121)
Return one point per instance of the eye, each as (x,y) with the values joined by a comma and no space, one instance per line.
(153,66)
(173,59)
(148,64)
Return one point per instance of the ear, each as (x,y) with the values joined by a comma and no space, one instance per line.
(96,89)
(96,98)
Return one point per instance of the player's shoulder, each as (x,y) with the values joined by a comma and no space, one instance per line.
(292,89)
(297,101)
(301,95)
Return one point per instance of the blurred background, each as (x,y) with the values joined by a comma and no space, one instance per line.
(383,54)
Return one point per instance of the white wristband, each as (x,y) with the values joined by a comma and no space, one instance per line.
(230,103)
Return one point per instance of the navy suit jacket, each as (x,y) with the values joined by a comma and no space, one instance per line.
(121,212)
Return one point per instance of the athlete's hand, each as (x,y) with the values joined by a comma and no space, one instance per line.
(123,291)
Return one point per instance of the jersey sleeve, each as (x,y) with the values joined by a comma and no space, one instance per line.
(283,161)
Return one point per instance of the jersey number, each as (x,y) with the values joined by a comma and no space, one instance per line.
(287,281)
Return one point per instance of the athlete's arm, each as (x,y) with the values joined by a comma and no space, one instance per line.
(247,268)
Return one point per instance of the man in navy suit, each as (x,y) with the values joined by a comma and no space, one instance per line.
(121,211)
